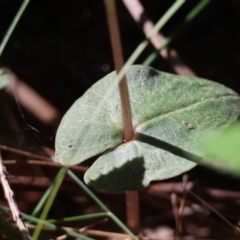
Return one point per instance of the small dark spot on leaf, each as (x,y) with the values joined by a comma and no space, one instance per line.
(190,126)
(69,146)
(153,73)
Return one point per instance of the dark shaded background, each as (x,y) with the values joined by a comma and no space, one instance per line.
(60,48)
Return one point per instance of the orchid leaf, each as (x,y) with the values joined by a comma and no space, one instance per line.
(170,115)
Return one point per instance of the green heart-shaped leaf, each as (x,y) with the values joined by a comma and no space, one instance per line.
(170,115)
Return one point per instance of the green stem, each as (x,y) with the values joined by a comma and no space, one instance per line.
(41,203)
(163,20)
(57,183)
(101,204)
(49,225)
(190,16)
(133,222)
(115,37)
(13,25)
(168,14)
(79,218)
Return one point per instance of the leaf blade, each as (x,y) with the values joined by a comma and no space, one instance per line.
(173,110)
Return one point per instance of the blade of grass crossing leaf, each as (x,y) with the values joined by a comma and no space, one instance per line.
(163,20)
(57,183)
(13,25)
(190,16)
(50,225)
(171,130)
(101,204)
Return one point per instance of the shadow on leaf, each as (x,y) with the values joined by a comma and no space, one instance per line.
(126,169)
(168,147)
(127,177)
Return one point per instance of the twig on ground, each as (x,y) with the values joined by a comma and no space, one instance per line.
(175,211)
(30,181)
(31,100)
(182,203)
(24,153)
(96,233)
(237,230)
(62,237)
(92,225)
(168,187)
(137,11)
(13,206)
(43,163)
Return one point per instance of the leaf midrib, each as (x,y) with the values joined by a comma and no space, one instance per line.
(183,108)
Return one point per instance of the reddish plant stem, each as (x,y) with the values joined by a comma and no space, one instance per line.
(119,62)
(132,198)
(132,209)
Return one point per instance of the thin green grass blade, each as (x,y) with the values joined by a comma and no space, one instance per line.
(101,204)
(13,25)
(79,218)
(42,201)
(163,20)
(57,183)
(190,16)
(32,219)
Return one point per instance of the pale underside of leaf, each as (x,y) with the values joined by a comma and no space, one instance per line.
(170,114)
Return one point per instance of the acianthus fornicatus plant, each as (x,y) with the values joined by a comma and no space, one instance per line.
(171,114)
